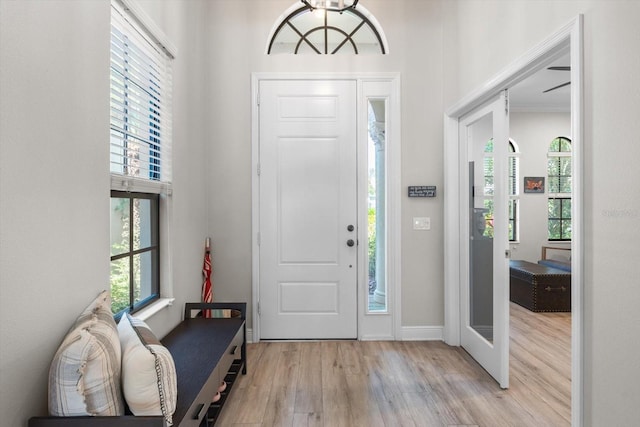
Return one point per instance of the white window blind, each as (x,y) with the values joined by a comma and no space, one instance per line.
(488,190)
(140,136)
(513,170)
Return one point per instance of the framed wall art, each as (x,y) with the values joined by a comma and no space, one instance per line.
(534,184)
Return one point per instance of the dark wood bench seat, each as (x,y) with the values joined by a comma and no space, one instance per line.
(205,352)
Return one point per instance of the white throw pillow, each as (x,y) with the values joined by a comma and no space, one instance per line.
(84,377)
(148,372)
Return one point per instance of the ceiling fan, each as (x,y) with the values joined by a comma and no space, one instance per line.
(558,68)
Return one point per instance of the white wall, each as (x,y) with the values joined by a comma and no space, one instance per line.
(55,207)
(533,132)
(54,180)
(54,255)
(612,205)
(237,44)
(183,23)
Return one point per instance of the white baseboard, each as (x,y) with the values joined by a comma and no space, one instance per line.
(422,333)
(376,338)
(409,333)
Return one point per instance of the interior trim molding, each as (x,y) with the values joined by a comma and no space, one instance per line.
(158,36)
(567,38)
(422,333)
(408,333)
(524,66)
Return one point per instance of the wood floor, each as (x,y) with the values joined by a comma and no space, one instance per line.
(360,383)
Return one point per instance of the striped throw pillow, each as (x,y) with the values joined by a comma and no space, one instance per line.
(84,376)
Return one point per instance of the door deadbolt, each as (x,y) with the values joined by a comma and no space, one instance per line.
(350,227)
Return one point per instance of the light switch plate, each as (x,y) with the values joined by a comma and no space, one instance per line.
(422,223)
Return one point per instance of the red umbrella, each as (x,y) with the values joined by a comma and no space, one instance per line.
(207,287)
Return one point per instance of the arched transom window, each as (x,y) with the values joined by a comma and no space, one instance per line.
(303,30)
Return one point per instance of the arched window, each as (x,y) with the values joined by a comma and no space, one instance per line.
(302,29)
(559,179)
(512,189)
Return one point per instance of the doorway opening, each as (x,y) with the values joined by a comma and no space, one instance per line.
(540,337)
(567,39)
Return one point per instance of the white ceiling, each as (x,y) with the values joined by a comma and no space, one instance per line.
(528,95)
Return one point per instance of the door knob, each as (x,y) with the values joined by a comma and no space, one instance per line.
(350,242)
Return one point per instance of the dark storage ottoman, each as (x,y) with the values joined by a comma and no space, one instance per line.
(539,288)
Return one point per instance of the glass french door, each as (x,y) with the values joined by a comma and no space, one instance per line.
(484,237)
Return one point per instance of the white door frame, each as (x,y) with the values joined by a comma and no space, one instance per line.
(368,324)
(568,37)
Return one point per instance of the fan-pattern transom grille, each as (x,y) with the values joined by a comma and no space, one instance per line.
(327,32)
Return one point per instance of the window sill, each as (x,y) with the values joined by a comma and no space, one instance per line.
(154,308)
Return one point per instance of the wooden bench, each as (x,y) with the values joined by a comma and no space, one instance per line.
(539,288)
(205,352)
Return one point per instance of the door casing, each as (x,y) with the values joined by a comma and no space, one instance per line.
(386,326)
(568,38)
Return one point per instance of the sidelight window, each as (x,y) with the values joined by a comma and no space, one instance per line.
(376,230)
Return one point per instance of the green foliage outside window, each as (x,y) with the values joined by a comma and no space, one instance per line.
(488,219)
(559,170)
(560,145)
(119,285)
(489,185)
(371,232)
(560,219)
(123,274)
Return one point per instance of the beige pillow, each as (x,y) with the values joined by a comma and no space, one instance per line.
(148,372)
(84,377)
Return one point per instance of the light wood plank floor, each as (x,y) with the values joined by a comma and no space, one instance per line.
(360,383)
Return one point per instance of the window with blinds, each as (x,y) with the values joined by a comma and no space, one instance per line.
(140,154)
(140,137)
(487,193)
(559,179)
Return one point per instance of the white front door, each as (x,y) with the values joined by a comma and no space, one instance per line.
(308,217)
(484,293)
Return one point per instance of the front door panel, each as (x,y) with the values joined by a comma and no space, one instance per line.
(308,200)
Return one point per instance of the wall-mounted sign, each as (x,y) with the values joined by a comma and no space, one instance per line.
(422,191)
